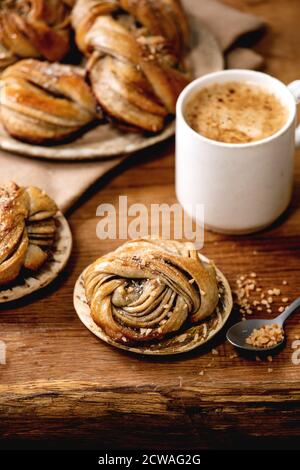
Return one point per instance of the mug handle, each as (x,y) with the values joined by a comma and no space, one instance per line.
(294,88)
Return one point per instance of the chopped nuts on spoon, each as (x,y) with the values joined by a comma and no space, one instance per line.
(266,336)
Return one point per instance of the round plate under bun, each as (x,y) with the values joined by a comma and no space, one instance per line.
(187,340)
(106,141)
(31,282)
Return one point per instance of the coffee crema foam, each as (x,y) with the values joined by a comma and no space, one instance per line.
(235,112)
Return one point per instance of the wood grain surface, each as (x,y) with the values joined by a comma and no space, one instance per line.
(62,387)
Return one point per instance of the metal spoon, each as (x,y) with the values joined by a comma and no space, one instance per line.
(238,333)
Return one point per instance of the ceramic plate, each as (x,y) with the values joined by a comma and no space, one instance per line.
(187,340)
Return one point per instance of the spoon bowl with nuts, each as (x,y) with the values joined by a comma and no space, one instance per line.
(261,335)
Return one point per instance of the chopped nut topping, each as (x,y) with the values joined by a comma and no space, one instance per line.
(266,336)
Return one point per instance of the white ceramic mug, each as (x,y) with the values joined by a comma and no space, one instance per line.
(243,187)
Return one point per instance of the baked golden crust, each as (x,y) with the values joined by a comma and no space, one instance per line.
(44,102)
(136,52)
(27,229)
(34,28)
(148,289)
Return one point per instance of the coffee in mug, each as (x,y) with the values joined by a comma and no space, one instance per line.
(235,112)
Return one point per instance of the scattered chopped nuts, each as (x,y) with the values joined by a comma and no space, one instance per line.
(233,356)
(270,370)
(284,283)
(215,352)
(247,299)
(281,309)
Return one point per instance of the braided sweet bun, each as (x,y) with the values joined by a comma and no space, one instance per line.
(136,52)
(34,28)
(148,289)
(27,230)
(44,102)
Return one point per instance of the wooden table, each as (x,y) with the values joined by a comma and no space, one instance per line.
(61,384)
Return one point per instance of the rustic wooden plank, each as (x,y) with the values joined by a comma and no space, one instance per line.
(60,382)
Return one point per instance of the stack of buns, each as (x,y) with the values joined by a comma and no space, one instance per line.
(131,65)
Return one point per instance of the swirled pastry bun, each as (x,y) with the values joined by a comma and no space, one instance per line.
(35,240)
(45,103)
(136,56)
(27,229)
(34,29)
(147,290)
